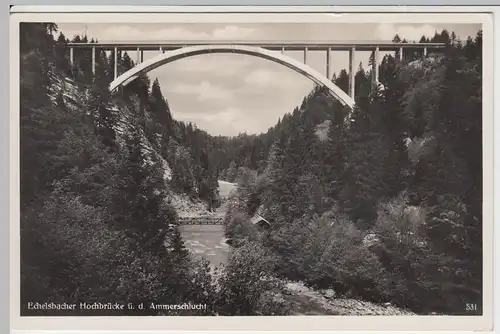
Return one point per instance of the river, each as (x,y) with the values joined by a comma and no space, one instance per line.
(208,241)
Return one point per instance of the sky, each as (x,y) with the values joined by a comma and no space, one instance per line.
(228,94)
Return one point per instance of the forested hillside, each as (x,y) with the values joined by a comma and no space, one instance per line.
(382,204)
(96,173)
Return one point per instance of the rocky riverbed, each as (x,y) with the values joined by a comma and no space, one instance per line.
(306,301)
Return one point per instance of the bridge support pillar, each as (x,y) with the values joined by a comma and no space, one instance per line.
(138,55)
(375,67)
(352,85)
(93,60)
(305,55)
(161,50)
(401,53)
(328,67)
(142,56)
(72,60)
(282,50)
(115,65)
(425,51)
(71,57)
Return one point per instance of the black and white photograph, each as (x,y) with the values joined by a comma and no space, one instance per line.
(248,169)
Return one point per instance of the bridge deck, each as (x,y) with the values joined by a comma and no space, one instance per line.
(270,45)
(201,221)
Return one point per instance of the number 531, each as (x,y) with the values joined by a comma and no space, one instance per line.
(471,307)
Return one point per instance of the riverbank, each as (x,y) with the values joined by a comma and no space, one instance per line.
(204,241)
(306,301)
(209,242)
(187,207)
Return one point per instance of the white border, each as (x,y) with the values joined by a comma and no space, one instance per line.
(248,9)
(131,14)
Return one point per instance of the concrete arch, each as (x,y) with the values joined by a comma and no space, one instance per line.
(274,56)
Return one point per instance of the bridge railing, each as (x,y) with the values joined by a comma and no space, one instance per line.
(201,221)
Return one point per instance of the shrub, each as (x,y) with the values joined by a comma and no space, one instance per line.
(247,285)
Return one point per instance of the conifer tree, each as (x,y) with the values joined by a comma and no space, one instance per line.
(100,97)
(180,253)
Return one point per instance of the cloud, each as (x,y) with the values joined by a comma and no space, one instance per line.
(232,32)
(126,32)
(387,31)
(204,90)
(228,122)
(217,64)
(129,32)
(277,78)
(262,77)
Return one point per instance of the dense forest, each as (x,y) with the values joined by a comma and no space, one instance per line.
(383,203)
(95,226)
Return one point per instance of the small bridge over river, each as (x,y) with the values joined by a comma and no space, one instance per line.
(208,220)
(205,236)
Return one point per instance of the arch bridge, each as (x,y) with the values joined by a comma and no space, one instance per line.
(273,51)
